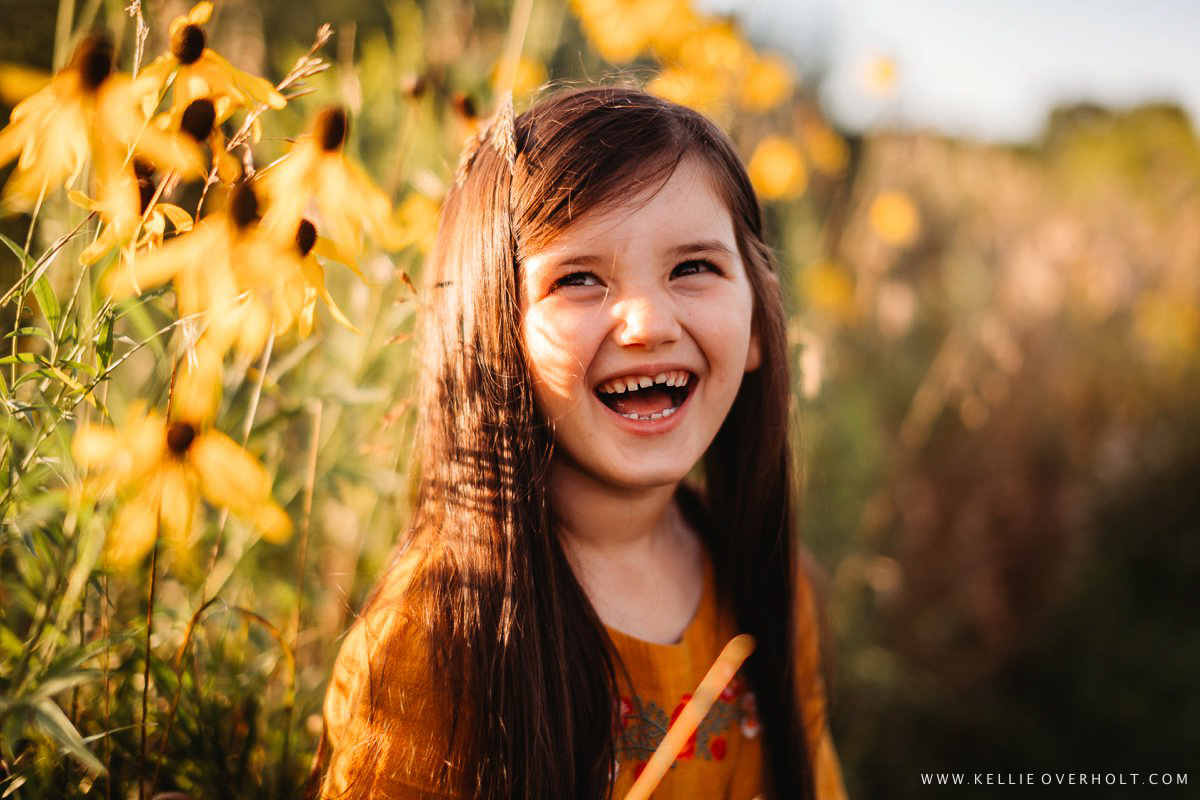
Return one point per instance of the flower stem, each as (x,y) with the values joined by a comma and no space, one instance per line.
(146,668)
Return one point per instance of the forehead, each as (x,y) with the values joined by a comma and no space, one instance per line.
(686,207)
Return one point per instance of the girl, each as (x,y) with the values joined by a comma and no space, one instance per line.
(605,316)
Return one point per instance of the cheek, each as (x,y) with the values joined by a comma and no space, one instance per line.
(557,365)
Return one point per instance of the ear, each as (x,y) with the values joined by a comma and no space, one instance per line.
(754,350)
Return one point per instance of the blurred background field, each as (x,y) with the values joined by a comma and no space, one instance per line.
(995,334)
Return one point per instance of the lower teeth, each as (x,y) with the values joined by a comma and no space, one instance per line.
(656,415)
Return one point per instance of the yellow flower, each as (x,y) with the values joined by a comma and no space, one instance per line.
(621,29)
(162,467)
(200,121)
(527,77)
(765,83)
(777,169)
(307,246)
(703,91)
(141,231)
(246,281)
(199,72)
(18,82)
(318,171)
(827,151)
(418,217)
(201,263)
(86,110)
(829,289)
(893,216)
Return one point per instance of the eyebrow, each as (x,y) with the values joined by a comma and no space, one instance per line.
(679,251)
(703,246)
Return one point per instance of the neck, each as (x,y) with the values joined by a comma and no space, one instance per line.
(602,520)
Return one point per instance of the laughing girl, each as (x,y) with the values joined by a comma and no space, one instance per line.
(605,491)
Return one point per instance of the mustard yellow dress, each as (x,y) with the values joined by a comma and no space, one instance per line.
(386,736)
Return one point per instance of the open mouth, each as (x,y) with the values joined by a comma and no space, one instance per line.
(646,397)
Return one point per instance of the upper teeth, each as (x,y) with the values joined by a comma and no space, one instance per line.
(632,382)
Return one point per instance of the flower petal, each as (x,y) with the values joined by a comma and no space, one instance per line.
(134,528)
(198,386)
(178,504)
(229,476)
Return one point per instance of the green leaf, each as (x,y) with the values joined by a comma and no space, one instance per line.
(54,723)
(104,342)
(48,302)
(22,257)
(25,358)
(29,331)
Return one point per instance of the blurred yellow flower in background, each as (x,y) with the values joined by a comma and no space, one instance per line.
(85,111)
(417,216)
(829,289)
(621,29)
(826,149)
(691,88)
(777,169)
(316,171)
(528,77)
(18,81)
(894,218)
(765,83)
(199,72)
(162,467)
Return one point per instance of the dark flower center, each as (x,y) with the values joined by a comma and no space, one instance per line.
(94,60)
(198,119)
(464,105)
(243,205)
(306,237)
(143,167)
(180,436)
(146,190)
(331,129)
(189,44)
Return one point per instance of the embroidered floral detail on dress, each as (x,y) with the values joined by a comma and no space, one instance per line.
(641,727)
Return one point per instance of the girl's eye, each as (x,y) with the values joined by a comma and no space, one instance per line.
(575,279)
(696,267)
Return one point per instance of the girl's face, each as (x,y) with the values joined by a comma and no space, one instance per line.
(637,323)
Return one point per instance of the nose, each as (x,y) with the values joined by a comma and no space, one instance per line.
(646,320)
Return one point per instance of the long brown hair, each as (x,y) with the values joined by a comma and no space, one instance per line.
(517,645)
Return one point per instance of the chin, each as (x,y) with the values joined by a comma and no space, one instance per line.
(644,477)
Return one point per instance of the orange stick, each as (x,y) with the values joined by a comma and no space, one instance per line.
(718,677)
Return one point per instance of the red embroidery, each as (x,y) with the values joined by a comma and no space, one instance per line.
(641,727)
(717,748)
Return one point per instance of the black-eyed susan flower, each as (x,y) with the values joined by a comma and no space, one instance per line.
(307,246)
(201,263)
(317,171)
(244,281)
(162,467)
(142,231)
(199,72)
(87,110)
(200,121)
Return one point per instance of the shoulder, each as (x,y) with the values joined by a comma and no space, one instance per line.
(386,732)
